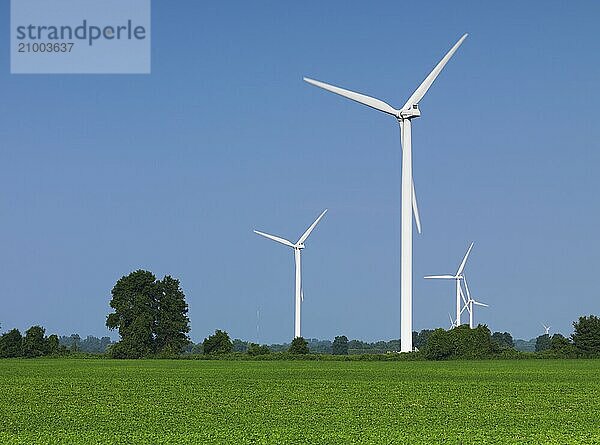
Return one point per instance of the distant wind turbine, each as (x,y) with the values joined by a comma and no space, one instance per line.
(404,115)
(471,302)
(452,323)
(546,329)
(457,278)
(298,246)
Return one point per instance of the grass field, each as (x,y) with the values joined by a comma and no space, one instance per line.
(300,402)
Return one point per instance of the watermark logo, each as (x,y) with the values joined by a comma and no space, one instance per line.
(80,36)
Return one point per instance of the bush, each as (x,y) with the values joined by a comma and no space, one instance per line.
(460,342)
(439,345)
(218,343)
(298,346)
(11,344)
(340,345)
(254,350)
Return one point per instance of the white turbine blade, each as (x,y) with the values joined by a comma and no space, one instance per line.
(414,195)
(420,92)
(311,228)
(416,209)
(545,327)
(480,304)
(301,294)
(451,320)
(440,277)
(361,98)
(465,307)
(467,288)
(462,296)
(275,238)
(464,261)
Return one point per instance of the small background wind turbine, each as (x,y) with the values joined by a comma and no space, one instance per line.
(298,246)
(546,329)
(404,116)
(470,302)
(458,277)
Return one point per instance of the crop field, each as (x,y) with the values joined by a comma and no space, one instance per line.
(298,402)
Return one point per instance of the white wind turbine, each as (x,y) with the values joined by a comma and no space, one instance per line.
(457,278)
(470,302)
(546,329)
(298,246)
(452,323)
(404,115)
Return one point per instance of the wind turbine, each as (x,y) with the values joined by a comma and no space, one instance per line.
(452,323)
(404,115)
(546,329)
(457,278)
(298,246)
(470,302)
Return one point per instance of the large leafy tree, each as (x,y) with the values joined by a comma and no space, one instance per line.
(34,344)
(172,322)
(150,315)
(586,335)
(11,344)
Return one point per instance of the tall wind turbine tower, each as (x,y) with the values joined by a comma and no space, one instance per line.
(404,116)
(298,246)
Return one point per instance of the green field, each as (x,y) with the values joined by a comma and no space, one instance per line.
(299,402)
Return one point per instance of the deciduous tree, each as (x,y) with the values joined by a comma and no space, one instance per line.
(150,315)
(340,345)
(11,344)
(299,346)
(218,343)
(586,335)
(33,342)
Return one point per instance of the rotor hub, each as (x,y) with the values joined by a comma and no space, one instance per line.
(410,113)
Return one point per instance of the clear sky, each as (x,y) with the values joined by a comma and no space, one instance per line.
(104,174)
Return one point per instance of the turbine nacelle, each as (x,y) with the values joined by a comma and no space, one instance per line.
(299,246)
(410,112)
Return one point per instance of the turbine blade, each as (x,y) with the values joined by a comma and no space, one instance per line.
(462,295)
(414,195)
(311,228)
(440,277)
(451,320)
(467,288)
(420,92)
(275,238)
(464,261)
(301,294)
(360,98)
(416,209)
(480,304)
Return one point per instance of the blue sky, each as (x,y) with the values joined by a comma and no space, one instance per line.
(104,174)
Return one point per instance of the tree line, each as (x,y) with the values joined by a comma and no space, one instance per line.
(151,318)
